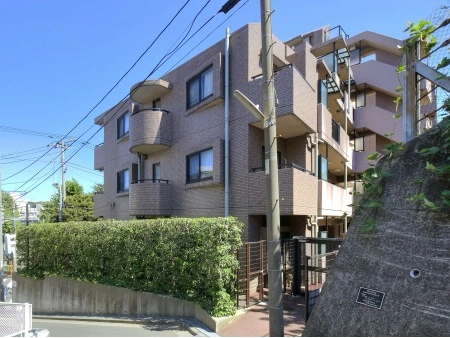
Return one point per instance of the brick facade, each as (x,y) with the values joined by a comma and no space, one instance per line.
(169,136)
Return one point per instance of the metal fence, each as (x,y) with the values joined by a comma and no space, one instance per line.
(305,263)
(15,319)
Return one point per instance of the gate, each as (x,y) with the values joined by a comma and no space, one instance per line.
(305,262)
(313,261)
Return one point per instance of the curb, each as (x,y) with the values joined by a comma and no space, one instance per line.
(189,324)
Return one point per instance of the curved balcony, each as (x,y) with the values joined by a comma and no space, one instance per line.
(147,91)
(150,198)
(150,130)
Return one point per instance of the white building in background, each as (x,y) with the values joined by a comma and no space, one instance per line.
(34,209)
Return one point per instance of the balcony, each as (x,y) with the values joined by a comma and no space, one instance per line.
(147,91)
(379,120)
(150,130)
(101,209)
(297,186)
(333,200)
(360,161)
(150,198)
(295,110)
(99,157)
(333,134)
(378,75)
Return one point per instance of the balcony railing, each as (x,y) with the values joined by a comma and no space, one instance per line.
(150,197)
(284,166)
(333,200)
(335,32)
(150,130)
(99,157)
(297,190)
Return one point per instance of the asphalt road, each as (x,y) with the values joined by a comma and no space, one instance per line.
(78,328)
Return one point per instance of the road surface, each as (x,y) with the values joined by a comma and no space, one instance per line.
(80,328)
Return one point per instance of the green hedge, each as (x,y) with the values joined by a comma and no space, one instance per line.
(191,259)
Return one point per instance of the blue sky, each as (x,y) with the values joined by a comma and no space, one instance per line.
(60,58)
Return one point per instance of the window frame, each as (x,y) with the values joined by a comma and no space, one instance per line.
(123,181)
(156,171)
(201,97)
(123,125)
(199,173)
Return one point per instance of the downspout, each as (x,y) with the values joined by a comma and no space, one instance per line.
(227,113)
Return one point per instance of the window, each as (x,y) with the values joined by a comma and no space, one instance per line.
(123,180)
(263,158)
(323,168)
(123,125)
(322,93)
(335,130)
(199,166)
(156,104)
(200,87)
(135,173)
(156,172)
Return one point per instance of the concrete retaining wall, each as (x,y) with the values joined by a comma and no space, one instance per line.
(63,296)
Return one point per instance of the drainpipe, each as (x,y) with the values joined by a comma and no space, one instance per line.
(139,166)
(227,113)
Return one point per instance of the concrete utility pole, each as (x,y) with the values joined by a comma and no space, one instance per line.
(276,324)
(63,147)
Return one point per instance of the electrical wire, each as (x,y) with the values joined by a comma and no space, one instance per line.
(160,63)
(103,98)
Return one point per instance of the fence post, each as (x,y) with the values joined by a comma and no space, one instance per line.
(247,277)
(261,271)
(297,273)
(284,265)
(237,280)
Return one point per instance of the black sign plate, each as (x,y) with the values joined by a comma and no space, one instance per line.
(369,297)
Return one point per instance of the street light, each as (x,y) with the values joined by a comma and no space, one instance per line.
(57,186)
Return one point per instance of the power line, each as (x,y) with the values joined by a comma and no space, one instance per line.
(159,64)
(134,64)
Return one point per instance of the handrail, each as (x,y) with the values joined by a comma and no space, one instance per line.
(340,29)
(151,109)
(154,180)
(285,166)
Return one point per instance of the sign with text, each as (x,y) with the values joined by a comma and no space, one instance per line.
(369,297)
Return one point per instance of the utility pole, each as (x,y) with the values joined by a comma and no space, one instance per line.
(61,144)
(276,324)
(1,239)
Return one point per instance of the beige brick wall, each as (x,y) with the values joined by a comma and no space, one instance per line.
(202,127)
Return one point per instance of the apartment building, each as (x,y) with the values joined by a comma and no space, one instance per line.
(164,148)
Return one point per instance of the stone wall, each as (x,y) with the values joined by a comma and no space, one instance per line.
(404,261)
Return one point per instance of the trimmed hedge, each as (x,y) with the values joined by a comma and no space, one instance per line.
(192,259)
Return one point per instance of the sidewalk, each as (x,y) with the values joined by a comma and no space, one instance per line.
(254,322)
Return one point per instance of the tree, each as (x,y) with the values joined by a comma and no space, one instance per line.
(78,206)
(73,188)
(8,205)
(97,188)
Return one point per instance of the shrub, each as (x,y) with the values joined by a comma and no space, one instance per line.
(192,259)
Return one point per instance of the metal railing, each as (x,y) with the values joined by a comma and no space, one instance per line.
(15,319)
(284,166)
(153,180)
